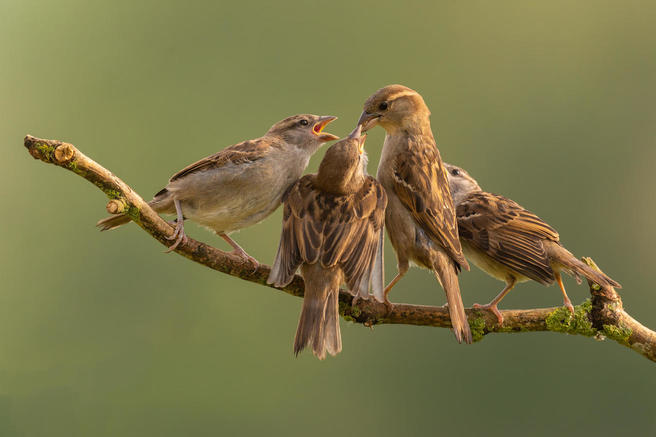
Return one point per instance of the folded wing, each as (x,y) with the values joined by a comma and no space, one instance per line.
(240,153)
(507,233)
(424,190)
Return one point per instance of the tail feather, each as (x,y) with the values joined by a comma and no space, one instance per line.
(162,202)
(331,333)
(447,276)
(318,325)
(310,324)
(112,222)
(565,258)
(580,268)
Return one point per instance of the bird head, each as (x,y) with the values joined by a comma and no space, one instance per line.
(304,130)
(460,183)
(394,107)
(344,165)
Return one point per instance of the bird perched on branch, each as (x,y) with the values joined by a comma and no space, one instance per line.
(510,243)
(240,185)
(420,218)
(333,229)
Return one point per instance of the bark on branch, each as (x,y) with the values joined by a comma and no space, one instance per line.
(601,316)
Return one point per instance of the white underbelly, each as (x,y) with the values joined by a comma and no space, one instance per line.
(233,214)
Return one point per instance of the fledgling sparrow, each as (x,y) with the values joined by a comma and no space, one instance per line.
(240,185)
(510,243)
(420,218)
(333,229)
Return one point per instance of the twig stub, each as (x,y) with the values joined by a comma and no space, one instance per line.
(64,153)
(116,206)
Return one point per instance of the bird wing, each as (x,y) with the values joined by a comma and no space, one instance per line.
(331,229)
(507,233)
(420,182)
(247,151)
(366,214)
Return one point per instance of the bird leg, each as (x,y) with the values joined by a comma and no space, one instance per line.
(403,269)
(238,251)
(492,306)
(566,301)
(179,234)
(391,285)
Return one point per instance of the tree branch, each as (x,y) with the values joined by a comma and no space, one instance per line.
(602,316)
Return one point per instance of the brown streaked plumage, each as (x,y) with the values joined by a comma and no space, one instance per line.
(332,228)
(420,218)
(510,243)
(242,184)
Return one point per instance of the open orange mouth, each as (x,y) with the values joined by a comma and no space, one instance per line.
(362,139)
(318,128)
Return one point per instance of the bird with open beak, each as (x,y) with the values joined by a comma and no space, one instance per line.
(240,185)
(420,218)
(510,243)
(333,230)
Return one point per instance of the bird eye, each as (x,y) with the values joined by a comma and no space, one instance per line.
(303,122)
(455,172)
(382,106)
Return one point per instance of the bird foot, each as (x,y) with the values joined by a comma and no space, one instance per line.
(490,307)
(241,253)
(356,299)
(388,305)
(178,235)
(569,306)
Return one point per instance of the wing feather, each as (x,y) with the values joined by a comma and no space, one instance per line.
(420,182)
(507,233)
(247,151)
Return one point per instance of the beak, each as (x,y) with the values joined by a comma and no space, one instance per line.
(317,129)
(356,135)
(368,120)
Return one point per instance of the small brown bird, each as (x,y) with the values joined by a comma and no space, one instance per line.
(420,218)
(510,243)
(333,229)
(240,185)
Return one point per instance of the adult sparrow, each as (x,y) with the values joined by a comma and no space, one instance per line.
(510,243)
(420,218)
(333,229)
(240,185)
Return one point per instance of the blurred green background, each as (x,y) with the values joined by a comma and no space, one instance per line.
(550,103)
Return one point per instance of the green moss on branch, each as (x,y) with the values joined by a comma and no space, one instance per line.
(561,320)
(618,333)
(478,328)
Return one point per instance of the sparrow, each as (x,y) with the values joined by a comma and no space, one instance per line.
(333,229)
(420,218)
(510,243)
(240,185)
